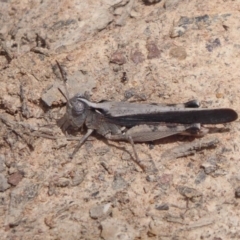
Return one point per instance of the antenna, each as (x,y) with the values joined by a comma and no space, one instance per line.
(64,77)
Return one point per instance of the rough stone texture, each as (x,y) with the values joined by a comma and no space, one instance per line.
(171,52)
(2,164)
(3,183)
(117,229)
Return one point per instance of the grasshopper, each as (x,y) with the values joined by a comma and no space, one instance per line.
(135,122)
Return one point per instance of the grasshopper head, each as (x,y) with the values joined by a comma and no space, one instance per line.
(76,113)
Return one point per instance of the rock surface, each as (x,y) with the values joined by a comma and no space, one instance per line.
(167,51)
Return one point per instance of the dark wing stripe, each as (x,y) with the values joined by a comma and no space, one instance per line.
(203,116)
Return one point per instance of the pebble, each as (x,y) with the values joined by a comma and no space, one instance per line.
(119,183)
(163,206)
(78,178)
(100,211)
(201,176)
(101,19)
(137,57)
(237,192)
(118,58)
(15,178)
(178,52)
(62,182)
(153,51)
(190,193)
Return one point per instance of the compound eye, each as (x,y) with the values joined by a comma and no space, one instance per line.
(77,108)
